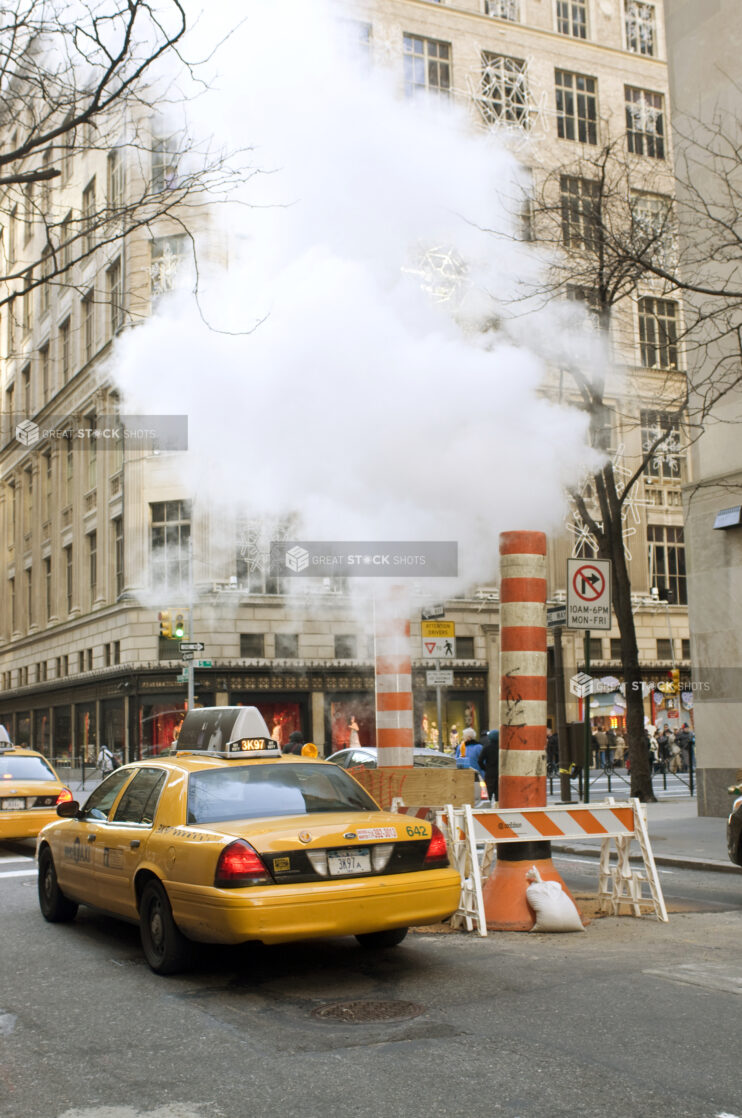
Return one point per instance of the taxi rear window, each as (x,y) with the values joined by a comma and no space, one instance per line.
(25,768)
(255,791)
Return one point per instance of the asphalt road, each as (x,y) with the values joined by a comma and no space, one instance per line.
(630,1018)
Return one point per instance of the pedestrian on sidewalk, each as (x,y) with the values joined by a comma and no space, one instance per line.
(106,761)
(489,762)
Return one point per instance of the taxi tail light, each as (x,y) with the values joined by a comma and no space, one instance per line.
(240,865)
(437,854)
(64,796)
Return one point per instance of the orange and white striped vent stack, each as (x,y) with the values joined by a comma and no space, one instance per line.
(522,723)
(394,729)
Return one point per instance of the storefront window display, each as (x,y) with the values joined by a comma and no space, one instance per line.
(282,716)
(85,732)
(159,724)
(62,732)
(459,713)
(352,721)
(23,729)
(112,725)
(40,739)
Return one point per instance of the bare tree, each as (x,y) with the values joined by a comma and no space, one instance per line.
(609,244)
(85,76)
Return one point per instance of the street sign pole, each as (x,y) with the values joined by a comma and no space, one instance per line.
(565,784)
(588,733)
(189,667)
(439,707)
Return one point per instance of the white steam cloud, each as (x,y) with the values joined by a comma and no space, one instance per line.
(357,401)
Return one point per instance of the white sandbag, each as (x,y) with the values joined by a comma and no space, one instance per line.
(555,911)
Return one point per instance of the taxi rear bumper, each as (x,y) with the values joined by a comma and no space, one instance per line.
(281,913)
(25,824)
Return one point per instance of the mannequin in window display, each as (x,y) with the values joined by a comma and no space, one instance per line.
(354,741)
(425,729)
(434,736)
(277,731)
(453,739)
(470,717)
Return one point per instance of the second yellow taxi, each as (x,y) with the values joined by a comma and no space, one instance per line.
(228,841)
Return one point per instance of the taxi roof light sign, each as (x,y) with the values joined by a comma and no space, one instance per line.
(226,732)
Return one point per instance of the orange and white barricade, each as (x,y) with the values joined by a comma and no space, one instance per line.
(616,824)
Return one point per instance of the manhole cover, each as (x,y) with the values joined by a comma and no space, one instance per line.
(360,1012)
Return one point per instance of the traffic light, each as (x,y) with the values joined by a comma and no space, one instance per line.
(179,627)
(675,677)
(165,623)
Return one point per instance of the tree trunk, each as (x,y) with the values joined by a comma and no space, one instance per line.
(641,775)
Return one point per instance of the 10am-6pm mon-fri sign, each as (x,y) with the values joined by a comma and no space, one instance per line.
(588,594)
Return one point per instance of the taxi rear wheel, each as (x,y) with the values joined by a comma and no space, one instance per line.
(375,940)
(165,947)
(55,907)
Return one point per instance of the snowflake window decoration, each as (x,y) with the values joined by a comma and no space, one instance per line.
(666,455)
(442,271)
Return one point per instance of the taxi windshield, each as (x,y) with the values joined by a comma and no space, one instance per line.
(254,791)
(24,768)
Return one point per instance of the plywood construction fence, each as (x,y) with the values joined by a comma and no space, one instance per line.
(426,787)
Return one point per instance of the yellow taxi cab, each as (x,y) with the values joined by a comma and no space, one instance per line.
(228,841)
(29,791)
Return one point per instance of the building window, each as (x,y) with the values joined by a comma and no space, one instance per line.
(93,565)
(346,647)
(252,561)
(576,106)
(88,325)
(48,586)
(287,646)
(89,659)
(65,241)
(69,475)
(44,363)
(658,333)
(48,487)
(45,289)
(69,576)
(503,9)
(641,27)
(64,350)
(118,555)
(427,65)
(503,94)
(685,646)
(580,206)
(92,423)
(572,18)
(117,652)
(664,648)
(164,163)
(167,260)
(115,296)
(27,300)
(29,596)
(616,653)
(28,506)
(645,122)
(26,389)
(28,205)
(252,646)
(13,606)
(12,226)
(170,533)
(667,562)
(465,648)
(661,438)
(88,217)
(652,227)
(596,648)
(115,183)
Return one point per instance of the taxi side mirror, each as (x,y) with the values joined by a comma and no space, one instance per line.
(68,809)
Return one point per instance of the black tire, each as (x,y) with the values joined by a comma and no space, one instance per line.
(372,941)
(55,907)
(165,947)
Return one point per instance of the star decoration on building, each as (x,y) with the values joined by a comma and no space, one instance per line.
(443,272)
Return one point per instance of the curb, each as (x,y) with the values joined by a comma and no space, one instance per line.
(679,862)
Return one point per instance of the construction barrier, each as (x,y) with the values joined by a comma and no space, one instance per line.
(617,824)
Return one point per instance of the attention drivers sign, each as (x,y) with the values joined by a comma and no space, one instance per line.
(588,594)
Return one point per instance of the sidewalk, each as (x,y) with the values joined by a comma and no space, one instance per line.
(679,838)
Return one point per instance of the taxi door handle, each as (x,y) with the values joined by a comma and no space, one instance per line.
(134,844)
(91,838)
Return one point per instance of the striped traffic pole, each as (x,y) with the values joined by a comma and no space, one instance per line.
(394,730)
(522,782)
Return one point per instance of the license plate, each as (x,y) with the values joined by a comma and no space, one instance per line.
(13,805)
(347,863)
